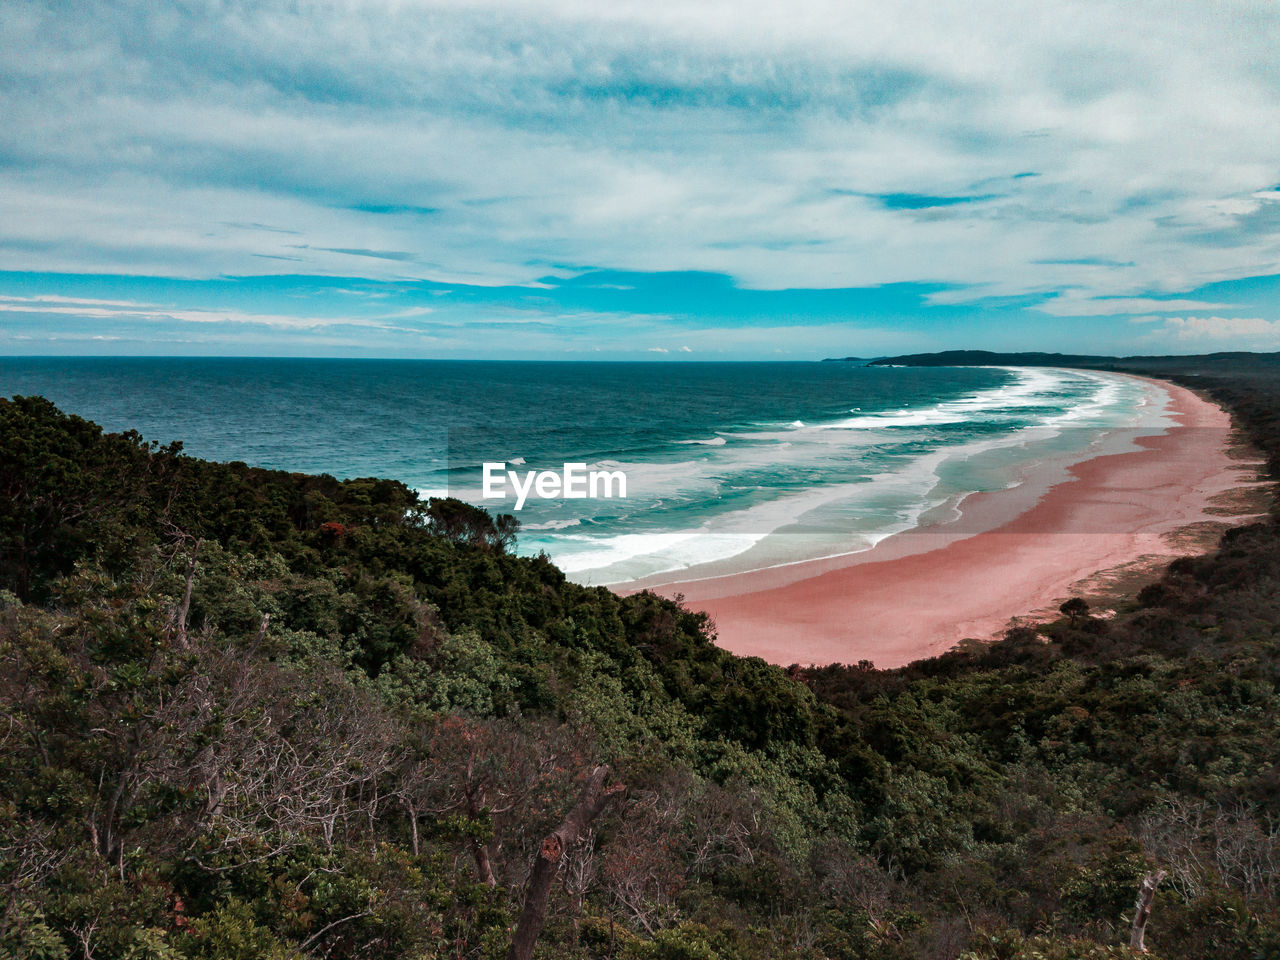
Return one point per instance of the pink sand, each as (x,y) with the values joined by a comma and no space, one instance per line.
(916,595)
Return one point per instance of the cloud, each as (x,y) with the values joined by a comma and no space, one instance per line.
(1076,306)
(1105,150)
(298,315)
(133,311)
(1253,330)
(46,301)
(372,254)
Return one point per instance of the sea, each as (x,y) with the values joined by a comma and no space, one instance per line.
(728,466)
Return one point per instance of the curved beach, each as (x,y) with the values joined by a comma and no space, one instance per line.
(1011,554)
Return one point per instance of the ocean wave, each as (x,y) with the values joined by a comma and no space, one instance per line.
(1032,389)
(553,524)
(667,551)
(843,515)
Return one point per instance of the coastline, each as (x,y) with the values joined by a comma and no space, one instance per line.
(1010,556)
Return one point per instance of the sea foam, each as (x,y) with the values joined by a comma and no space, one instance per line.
(803,490)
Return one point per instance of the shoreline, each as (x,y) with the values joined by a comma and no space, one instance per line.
(1010,556)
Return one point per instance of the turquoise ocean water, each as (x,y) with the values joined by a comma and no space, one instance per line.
(749,464)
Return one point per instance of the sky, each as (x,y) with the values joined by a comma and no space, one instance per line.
(558,179)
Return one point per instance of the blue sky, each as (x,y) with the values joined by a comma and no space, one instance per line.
(626,180)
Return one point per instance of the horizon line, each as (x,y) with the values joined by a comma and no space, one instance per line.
(647,360)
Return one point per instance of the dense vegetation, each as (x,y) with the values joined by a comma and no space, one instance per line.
(248,714)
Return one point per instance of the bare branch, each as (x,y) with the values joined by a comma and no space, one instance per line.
(1142,910)
(591,802)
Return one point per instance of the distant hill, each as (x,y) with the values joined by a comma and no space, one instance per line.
(862,360)
(1237,361)
(986,358)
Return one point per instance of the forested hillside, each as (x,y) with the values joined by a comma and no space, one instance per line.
(250,714)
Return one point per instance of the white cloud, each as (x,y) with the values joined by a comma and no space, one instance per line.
(491,142)
(1073,306)
(1209,333)
(44,300)
(1252,329)
(122,310)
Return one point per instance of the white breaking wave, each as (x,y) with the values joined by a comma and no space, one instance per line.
(1028,391)
(553,524)
(876,505)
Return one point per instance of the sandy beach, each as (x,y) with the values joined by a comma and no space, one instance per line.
(1011,554)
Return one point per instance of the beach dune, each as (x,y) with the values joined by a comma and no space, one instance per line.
(1011,553)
